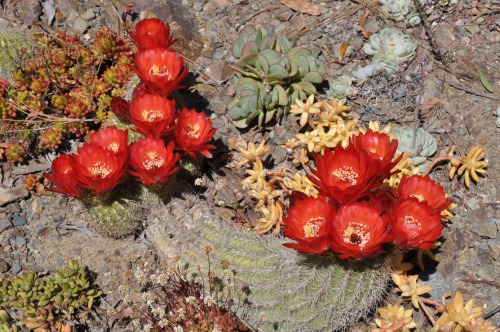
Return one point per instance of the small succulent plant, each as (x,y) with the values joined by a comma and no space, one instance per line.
(342,88)
(390,48)
(40,302)
(272,75)
(400,11)
(425,145)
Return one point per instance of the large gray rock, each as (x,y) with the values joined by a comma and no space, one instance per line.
(13,194)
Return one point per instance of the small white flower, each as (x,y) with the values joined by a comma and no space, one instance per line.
(122,289)
(136,323)
(180,313)
(178,328)
(140,276)
(158,311)
(208,300)
(163,322)
(147,328)
(190,299)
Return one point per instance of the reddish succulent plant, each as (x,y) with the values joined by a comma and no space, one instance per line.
(358,230)
(64,177)
(308,223)
(424,189)
(152,114)
(98,169)
(152,161)
(112,139)
(415,224)
(192,132)
(150,33)
(160,69)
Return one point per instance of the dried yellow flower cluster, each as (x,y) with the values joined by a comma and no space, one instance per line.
(469,165)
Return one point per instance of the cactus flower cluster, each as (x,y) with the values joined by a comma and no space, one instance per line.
(354,214)
(101,163)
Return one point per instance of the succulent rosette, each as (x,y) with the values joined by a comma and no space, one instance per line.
(63,176)
(307,223)
(112,139)
(98,169)
(415,224)
(152,161)
(152,114)
(425,190)
(344,175)
(160,69)
(192,132)
(358,230)
(150,33)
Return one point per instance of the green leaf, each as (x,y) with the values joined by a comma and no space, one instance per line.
(485,81)
(313,77)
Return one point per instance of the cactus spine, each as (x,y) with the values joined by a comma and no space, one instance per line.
(287,291)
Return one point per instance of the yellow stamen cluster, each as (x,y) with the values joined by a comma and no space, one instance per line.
(151,115)
(155,70)
(100,170)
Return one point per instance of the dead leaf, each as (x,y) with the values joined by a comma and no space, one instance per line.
(429,104)
(302,6)
(342,48)
(364,32)
(362,18)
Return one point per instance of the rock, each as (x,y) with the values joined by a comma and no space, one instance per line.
(5,224)
(481,225)
(4,266)
(70,18)
(88,15)
(13,194)
(181,20)
(66,6)
(220,71)
(80,25)
(473,29)
(17,220)
(20,242)
(25,11)
(16,268)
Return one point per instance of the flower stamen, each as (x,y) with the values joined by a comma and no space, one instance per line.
(154,161)
(194,131)
(311,228)
(410,220)
(99,170)
(346,173)
(114,147)
(357,234)
(151,115)
(155,70)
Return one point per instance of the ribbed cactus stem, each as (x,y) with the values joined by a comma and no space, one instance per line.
(287,291)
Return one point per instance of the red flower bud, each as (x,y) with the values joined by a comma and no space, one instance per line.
(150,33)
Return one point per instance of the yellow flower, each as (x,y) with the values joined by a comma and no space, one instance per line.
(305,109)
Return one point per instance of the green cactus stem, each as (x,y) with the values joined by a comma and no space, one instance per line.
(287,291)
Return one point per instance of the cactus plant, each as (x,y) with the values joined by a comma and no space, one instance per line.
(287,291)
(12,44)
(117,218)
(273,75)
(342,88)
(38,301)
(390,48)
(425,145)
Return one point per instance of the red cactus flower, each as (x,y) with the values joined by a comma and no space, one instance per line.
(415,224)
(119,106)
(152,114)
(307,223)
(378,146)
(151,32)
(192,132)
(112,139)
(160,69)
(63,175)
(358,231)
(345,175)
(380,200)
(153,163)
(98,169)
(424,189)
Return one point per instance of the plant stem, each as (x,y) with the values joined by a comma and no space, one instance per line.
(427,312)
(434,162)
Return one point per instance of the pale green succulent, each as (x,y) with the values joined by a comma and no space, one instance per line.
(400,10)
(286,291)
(425,145)
(448,2)
(273,75)
(390,48)
(342,88)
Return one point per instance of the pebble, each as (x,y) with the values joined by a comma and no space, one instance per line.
(7,248)
(5,224)
(80,25)
(16,268)
(17,220)
(198,5)
(10,195)
(4,266)
(88,15)
(20,242)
